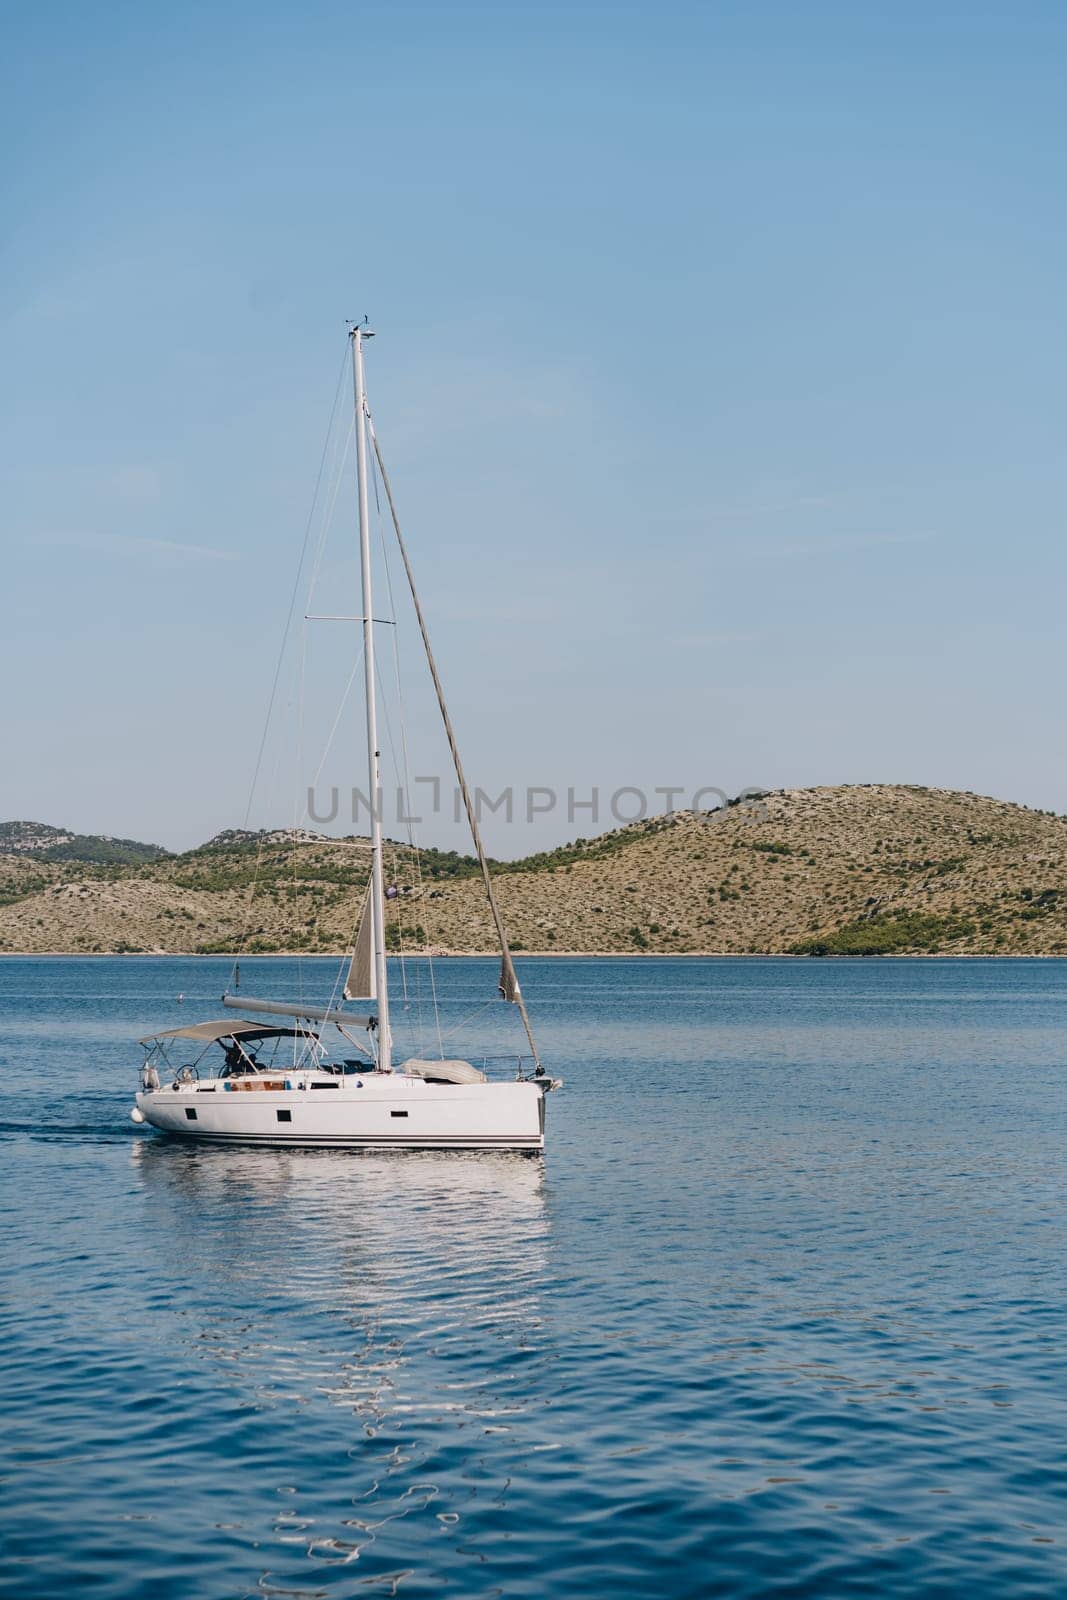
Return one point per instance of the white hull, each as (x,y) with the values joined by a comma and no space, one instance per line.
(374,1112)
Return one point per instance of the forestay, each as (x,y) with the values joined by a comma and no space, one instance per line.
(509,983)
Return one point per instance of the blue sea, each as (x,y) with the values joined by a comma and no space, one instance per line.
(781,1312)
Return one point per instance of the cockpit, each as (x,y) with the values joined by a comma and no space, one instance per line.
(229,1050)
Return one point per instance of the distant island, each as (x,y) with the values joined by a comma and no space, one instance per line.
(875,869)
(45,843)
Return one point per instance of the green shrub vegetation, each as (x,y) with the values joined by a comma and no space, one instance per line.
(106,852)
(889,935)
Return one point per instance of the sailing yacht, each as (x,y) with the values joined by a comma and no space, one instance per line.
(284,1072)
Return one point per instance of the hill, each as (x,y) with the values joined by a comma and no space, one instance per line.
(45,843)
(864,870)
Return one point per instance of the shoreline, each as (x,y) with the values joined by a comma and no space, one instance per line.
(524,955)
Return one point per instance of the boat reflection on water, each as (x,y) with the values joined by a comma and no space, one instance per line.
(353,1277)
(332,1181)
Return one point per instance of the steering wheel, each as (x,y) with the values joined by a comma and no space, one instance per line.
(187,1074)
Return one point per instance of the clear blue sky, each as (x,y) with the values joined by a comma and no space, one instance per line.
(721,367)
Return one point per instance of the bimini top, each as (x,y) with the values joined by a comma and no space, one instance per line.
(228,1028)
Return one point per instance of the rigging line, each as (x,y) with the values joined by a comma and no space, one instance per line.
(295,704)
(296,583)
(466,1021)
(413,842)
(392,747)
(426,954)
(407,813)
(404,768)
(336,992)
(299,695)
(264,840)
(384,706)
(299,814)
(349,437)
(260,848)
(419,955)
(509,981)
(338,480)
(316,569)
(306,814)
(285,639)
(399,925)
(339,976)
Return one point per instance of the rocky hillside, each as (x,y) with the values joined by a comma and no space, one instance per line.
(45,843)
(876,869)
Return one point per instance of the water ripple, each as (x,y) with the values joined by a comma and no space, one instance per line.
(780,1314)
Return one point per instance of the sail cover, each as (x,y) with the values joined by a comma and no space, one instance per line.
(360,985)
(444,1071)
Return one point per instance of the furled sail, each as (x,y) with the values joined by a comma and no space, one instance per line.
(509,983)
(360,984)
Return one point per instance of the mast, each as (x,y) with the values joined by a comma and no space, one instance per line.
(385,1042)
